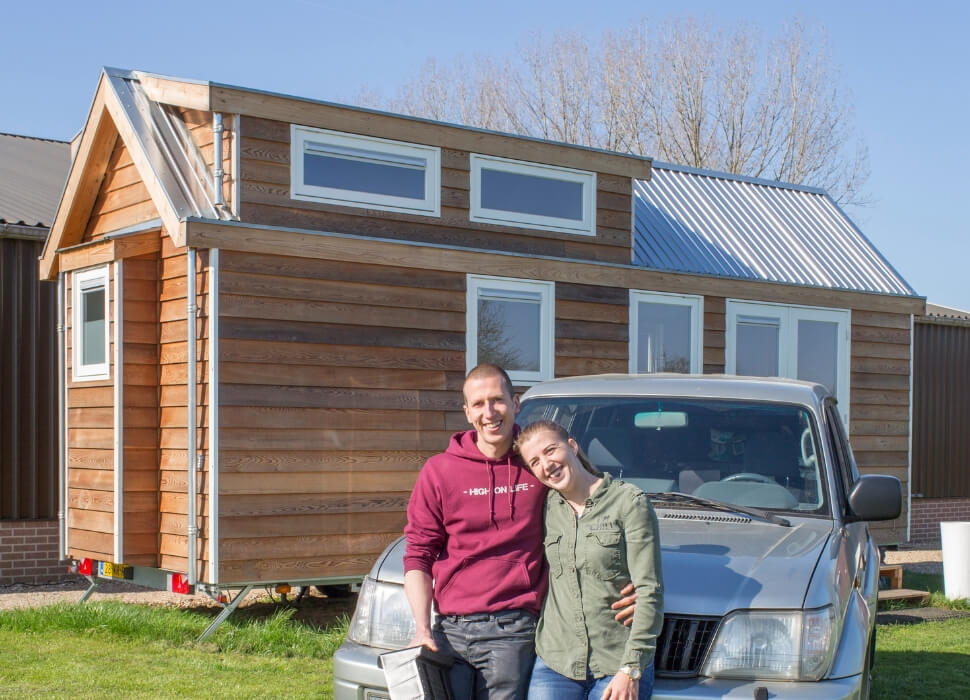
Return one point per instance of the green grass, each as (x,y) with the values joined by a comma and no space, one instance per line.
(928,659)
(136,651)
(925,660)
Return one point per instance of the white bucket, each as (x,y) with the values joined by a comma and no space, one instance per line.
(956,559)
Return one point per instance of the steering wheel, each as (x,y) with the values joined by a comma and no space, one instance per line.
(807,446)
(750,476)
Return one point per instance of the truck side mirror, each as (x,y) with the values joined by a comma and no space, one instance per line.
(875,497)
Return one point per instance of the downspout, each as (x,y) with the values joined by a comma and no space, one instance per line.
(62,421)
(217,172)
(909,440)
(192,529)
(119,426)
(213,534)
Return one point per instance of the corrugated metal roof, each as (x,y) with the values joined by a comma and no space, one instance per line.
(32,176)
(726,225)
(946,312)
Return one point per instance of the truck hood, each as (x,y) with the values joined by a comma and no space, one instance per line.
(714,563)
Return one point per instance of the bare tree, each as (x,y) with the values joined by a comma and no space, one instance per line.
(680,91)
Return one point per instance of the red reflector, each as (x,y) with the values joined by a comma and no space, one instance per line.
(85,567)
(177,583)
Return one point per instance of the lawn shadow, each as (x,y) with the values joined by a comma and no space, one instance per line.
(921,674)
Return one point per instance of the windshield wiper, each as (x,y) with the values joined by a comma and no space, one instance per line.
(757,513)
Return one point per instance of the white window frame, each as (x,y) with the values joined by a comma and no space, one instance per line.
(694,302)
(547,315)
(300,136)
(83,281)
(789,315)
(480,214)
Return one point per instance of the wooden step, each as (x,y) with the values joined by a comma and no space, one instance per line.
(893,572)
(904,594)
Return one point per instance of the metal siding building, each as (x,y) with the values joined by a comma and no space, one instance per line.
(941,407)
(32,173)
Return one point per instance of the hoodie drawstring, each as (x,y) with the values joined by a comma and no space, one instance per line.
(491,493)
(508,490)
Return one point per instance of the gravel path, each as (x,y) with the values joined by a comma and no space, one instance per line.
(924,561)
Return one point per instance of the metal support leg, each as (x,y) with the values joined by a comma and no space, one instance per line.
(87,594)
(226,612)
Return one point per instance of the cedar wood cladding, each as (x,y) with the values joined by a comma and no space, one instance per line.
(265,199)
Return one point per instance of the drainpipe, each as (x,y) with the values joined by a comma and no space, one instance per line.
(61,422)
(217,171)
(192,530)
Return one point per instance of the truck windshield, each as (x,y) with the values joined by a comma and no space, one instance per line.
(761,455)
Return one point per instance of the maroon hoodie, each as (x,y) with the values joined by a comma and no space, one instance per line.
(475,525)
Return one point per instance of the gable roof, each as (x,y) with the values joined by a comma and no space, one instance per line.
(712,223)
(32,174)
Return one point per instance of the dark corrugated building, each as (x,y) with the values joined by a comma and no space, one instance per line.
(32,174)
(941,416)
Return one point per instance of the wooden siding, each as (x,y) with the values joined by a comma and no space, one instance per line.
(879,404)
(122,200)
(173,398)
(141,414)
(265,195)
(90,443)
(592,334)
(337,382)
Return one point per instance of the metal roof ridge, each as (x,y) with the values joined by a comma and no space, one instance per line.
(724,175)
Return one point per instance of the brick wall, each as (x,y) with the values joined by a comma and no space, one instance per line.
(28,552)
(926,514)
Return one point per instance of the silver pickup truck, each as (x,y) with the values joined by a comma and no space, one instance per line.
(770,572)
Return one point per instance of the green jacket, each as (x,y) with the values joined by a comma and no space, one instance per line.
(616,540)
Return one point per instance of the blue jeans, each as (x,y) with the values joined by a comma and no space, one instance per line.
(546,684)
(493,653)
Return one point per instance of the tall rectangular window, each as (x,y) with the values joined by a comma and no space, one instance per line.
(531,195)
(363,171)
(665,332)
(799,342)
(510,323)
(90,324)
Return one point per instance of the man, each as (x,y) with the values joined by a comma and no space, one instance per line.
(474,546)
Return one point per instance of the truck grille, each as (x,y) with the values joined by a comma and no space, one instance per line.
(683,644)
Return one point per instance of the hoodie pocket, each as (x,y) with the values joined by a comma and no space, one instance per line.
(551,546)
(481,584)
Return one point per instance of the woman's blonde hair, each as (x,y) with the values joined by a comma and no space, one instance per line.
(532,428)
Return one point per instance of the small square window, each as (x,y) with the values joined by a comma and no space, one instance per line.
(90,324)
(665,332)
(510,323)
(530,195)
(362,171)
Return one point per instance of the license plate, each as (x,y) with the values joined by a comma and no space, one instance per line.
(108,570)
(375,695)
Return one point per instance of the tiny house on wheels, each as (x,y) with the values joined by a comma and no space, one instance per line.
(268,306)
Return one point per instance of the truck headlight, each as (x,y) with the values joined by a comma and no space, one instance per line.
(796,645)
(383,617)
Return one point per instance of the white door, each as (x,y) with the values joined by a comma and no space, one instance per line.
(800,342)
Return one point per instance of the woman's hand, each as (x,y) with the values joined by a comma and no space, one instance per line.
(622,687)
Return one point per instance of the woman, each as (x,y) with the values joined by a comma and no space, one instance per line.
(599,534)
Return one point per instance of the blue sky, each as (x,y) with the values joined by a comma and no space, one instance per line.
(905,65)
